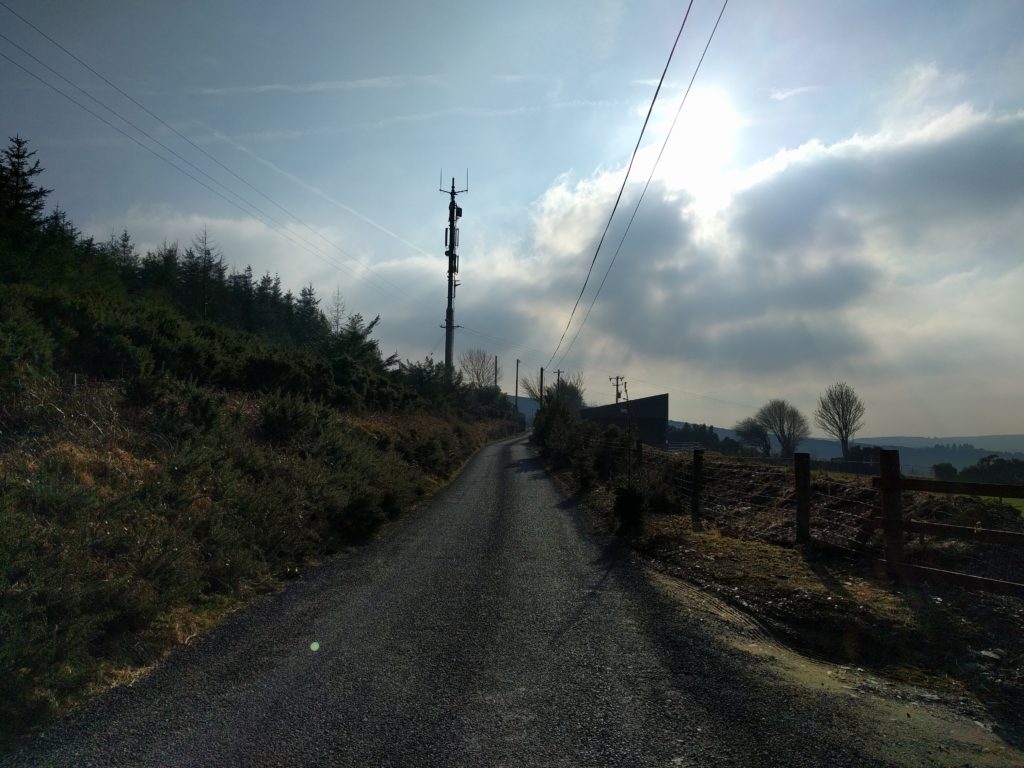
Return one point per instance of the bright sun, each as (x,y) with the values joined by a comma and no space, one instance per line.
(701,146)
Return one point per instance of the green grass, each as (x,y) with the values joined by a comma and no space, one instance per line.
(1016,503)
(828,474)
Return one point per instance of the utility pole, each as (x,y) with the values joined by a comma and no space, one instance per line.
(617,380)
(495,370)
(517,385)
(629,435)
(541,387)
(451,243)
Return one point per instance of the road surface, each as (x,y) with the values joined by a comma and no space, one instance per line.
(487,628)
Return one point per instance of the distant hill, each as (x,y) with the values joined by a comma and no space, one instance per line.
(919,461)
(818,448)
(990,443)
(917,454)
(527,407)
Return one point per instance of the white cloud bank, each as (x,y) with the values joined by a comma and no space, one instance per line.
(891,260)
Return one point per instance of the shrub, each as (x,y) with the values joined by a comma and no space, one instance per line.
(285,416)
(629,509)
(26,349)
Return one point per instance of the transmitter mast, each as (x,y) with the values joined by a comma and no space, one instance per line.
(451,244)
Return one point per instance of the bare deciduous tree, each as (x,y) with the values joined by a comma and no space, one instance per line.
(477,365)
(785,422)
(840,413)
(569,391)
(752,433)
(336,312)
(531,387)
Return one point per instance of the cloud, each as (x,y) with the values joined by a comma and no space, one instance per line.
(954,175)
(923,83)
(358,84)
(319,192)
(781,94)
(474,113)
(890,258)
(298,255)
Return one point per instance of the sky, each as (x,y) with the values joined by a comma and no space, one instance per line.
(839,198)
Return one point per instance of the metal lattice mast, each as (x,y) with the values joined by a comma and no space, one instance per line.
(451,242)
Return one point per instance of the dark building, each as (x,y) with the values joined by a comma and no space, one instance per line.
(647,417)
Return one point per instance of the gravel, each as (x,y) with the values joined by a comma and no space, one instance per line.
(487,628)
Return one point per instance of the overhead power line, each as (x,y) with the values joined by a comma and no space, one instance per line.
(646,185)
(280,230)
(507,344)
(141,131)
(625,178)
(367,268)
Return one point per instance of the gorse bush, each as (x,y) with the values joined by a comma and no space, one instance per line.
(202,495)
(285,417)
(26,349)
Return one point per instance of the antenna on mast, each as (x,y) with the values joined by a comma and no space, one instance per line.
(451,241)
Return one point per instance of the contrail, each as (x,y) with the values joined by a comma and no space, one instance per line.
(315,190)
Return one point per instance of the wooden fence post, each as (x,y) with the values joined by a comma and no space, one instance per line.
(892,503)
(698,483)
(802,478)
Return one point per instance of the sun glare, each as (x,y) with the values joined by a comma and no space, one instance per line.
(701,148)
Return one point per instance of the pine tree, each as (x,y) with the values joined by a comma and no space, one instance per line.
(310,324)
(21,211)
(122,250)
(158,272)
(240,300)
(21,199)
(203,278)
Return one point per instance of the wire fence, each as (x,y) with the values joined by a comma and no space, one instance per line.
(758,498)
(841,515)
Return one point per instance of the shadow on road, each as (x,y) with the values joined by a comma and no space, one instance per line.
(611,555)
(527,465)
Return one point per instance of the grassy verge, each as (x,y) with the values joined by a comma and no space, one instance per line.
(1017,504)
(133,520)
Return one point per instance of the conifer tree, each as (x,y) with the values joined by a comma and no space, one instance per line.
(21,199)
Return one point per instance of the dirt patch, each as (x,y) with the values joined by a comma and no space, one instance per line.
(916,725)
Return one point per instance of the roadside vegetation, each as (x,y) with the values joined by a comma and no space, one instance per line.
(176,437)
(829,599)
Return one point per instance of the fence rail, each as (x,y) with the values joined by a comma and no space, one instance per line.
(926,573)
(950,486)
(959,532)
(891,485)
(849,521)
(842,515)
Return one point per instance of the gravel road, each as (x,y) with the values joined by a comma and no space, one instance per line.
(488,628)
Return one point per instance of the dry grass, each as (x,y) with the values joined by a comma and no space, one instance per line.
(131,525)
